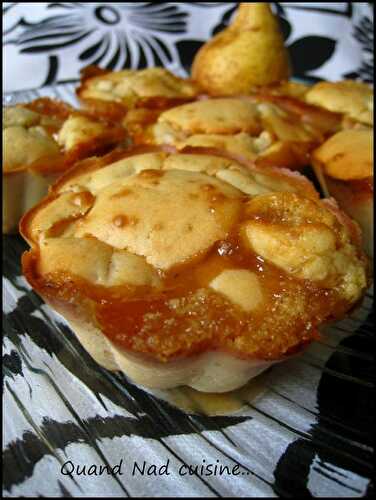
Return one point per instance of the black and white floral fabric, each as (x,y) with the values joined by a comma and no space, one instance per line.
(46,43)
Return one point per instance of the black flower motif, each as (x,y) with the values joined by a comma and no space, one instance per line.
(320,50)
(114,36)
(342,421)
(364,34)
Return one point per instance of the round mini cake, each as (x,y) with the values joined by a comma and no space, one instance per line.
(42,139)
(191,269)
(344,166)
(353,99)
(113,93)
(269,130)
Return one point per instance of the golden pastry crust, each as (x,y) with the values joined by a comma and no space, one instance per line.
(41,139)
(344,166)
(154,255)
(113,93)
(28,137)
(356,199)
(214,116)
(46,135)
(266,129)
(306,240)
(353,99)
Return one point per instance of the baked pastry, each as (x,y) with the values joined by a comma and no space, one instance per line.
(344,166)
(42,139)
(113,93)
(353,99)
(266,129)
(249,53)
(190,268)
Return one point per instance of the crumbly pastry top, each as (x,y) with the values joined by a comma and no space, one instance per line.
(49,135)
(174,254)
(128,87)
(215,116)
(354,99)
(265,128)
(25,137)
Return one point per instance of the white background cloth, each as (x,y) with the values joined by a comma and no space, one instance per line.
(45,43)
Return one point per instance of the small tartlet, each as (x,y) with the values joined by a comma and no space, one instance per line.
(191,268)
(351,98)
(344,167)
(113,93)
(42,139)
(268,130)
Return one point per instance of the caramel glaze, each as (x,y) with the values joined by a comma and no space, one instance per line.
(185,317)
(351,191)
(57,110)
(361,186)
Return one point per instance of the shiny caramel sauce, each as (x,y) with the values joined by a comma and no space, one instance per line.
(162,103)
(363,185)
(349,190)
(57,111)
(185,316)
(110,110)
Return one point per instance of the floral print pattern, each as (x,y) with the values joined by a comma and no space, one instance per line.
(53,41)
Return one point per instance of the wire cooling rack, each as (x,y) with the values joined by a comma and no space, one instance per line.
(309,431)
